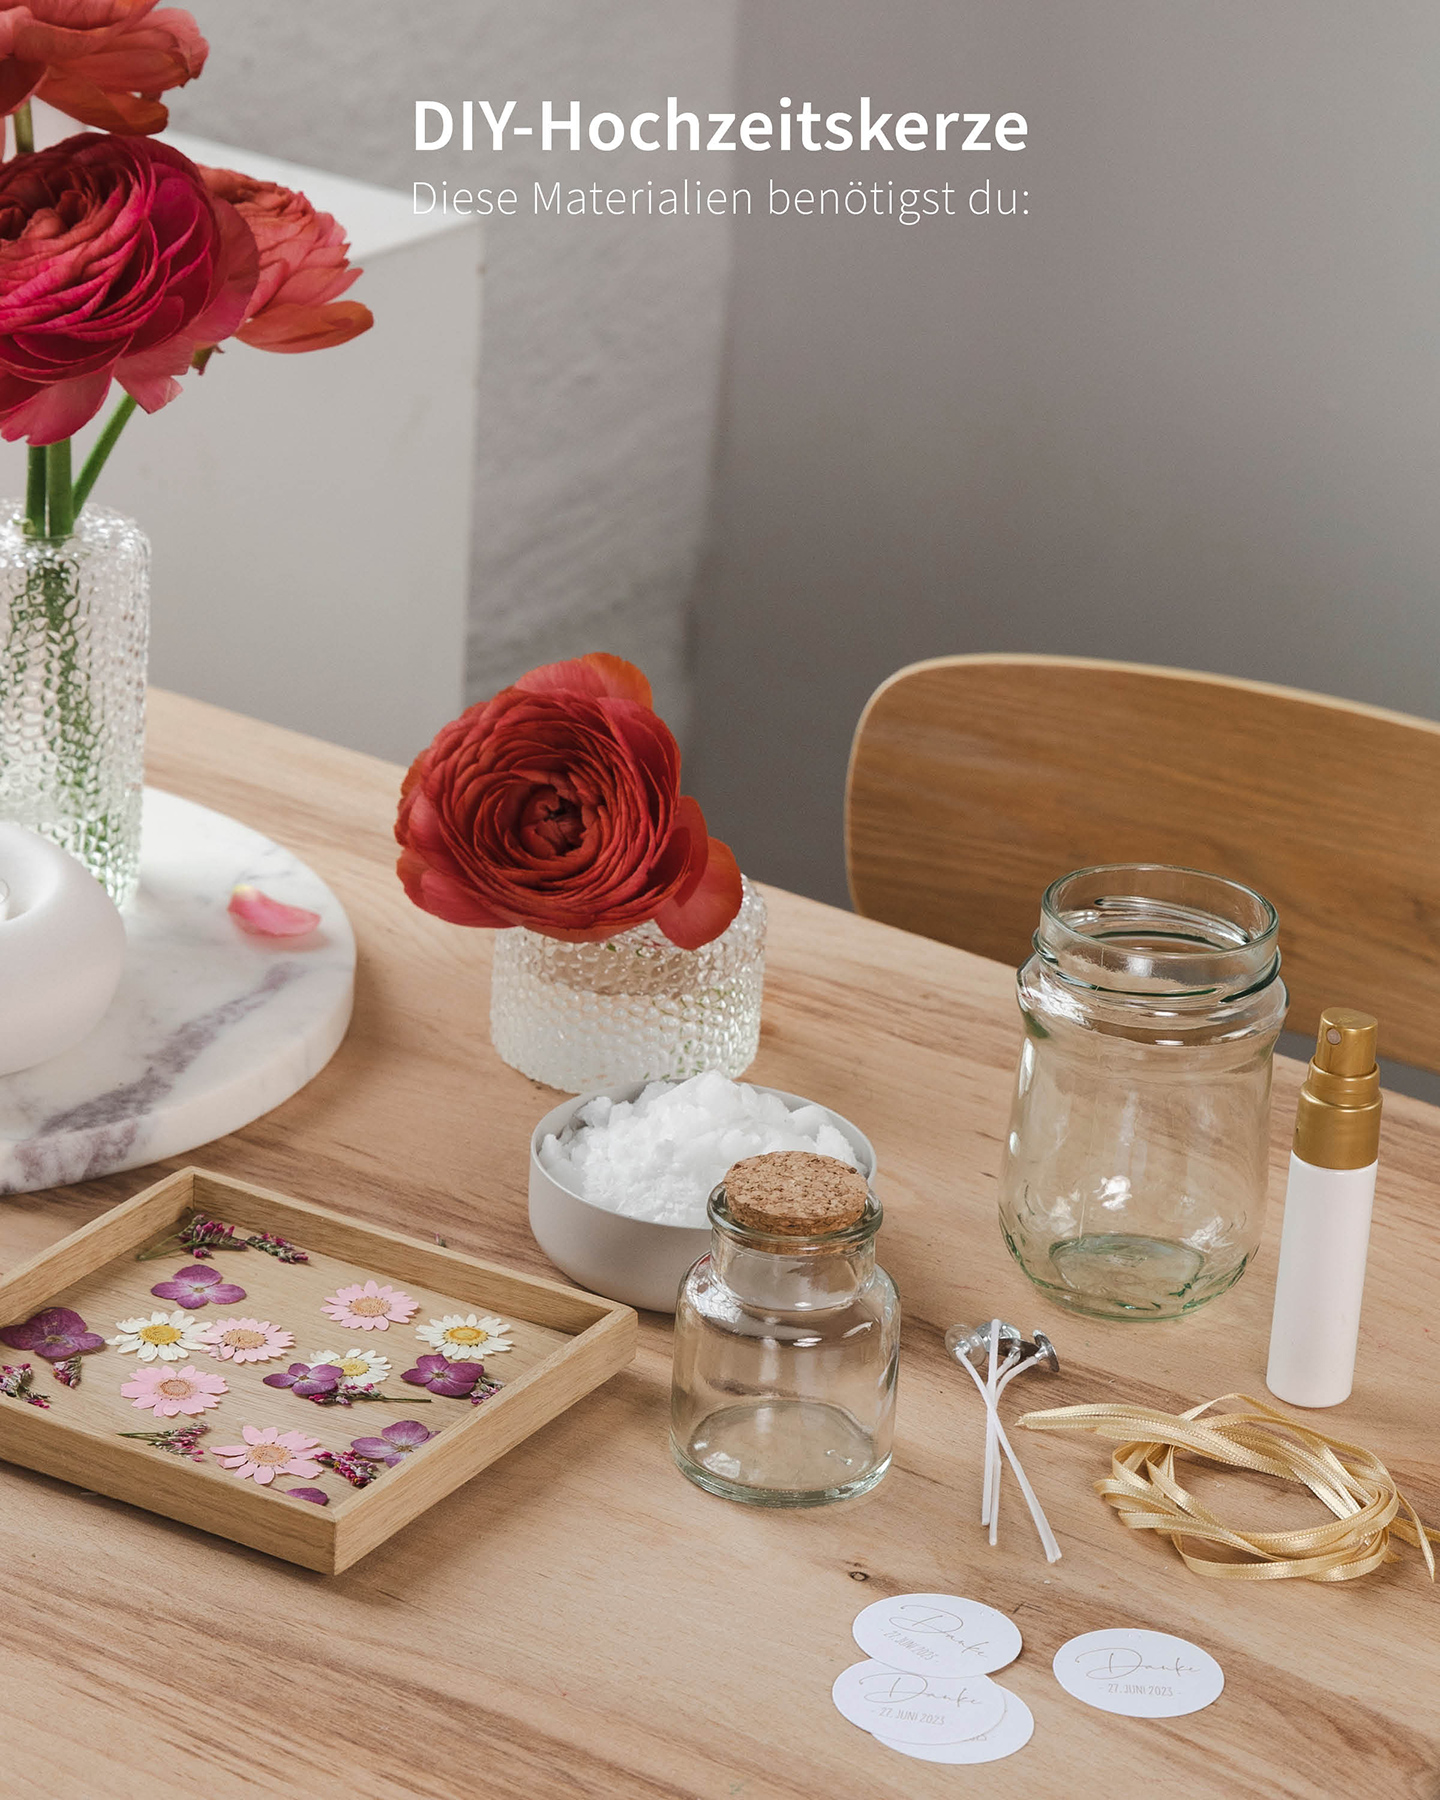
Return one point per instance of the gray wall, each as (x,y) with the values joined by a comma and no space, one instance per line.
(1187,411)
(601,346)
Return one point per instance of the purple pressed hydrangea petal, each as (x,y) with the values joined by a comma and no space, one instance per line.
(324,1378)
(226,1293)
(452,1381)
(407,1433)
(197,1284)
(296,1372)
(57,1334)
(317,1495)
(374,1449)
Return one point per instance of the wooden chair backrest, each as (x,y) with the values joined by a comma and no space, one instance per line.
(976,780)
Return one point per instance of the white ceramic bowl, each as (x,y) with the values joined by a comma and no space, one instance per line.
(638,1261)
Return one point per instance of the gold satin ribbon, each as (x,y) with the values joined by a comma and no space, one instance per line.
(1349,1480)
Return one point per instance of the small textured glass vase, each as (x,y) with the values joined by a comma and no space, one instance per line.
(74,631)
(633,1008)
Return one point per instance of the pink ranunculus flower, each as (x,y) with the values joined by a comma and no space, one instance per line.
(115,263)
(104,62)
(304,268)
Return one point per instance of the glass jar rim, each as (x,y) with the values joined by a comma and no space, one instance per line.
(1225,934)
(848,1237)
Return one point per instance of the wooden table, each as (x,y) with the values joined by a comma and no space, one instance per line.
(580,1621)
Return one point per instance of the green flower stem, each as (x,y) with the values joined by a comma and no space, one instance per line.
(59,497)
(104,444)
(24,130)
(35,494)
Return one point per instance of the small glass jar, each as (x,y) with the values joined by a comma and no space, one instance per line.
(786,1352)
(1135,1172)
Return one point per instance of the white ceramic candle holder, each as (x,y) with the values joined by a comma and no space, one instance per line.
(62,950)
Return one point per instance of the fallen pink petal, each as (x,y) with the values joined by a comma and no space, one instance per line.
(258,914)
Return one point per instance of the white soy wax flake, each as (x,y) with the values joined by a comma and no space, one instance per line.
(1142,1674)
(917,1709)
(937,1634)
(657,1157)
(1012,1733)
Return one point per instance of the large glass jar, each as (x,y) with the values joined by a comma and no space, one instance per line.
(786,1350)
(1135,1171)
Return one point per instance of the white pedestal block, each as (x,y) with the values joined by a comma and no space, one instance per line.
(210,1026)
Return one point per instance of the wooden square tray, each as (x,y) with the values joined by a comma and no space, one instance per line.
(566,1343)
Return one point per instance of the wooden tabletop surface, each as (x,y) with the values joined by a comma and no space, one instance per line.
(581,1621)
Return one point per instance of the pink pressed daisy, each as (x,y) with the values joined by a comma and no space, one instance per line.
(245,1340)
(269,1452)
(370,1308)
(167,1391)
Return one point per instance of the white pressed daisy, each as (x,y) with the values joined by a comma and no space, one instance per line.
(359,1369)
(170,1336)
(462,1337)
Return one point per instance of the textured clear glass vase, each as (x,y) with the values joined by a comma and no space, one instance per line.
(74,631)
(633,1008)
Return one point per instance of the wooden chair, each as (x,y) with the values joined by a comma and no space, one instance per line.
(977,780)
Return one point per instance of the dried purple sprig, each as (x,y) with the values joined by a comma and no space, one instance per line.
(179,1440)
(67,1373)
(483,1390)
(354,1469)
(202,1237)
(278,1247)
(15,1383)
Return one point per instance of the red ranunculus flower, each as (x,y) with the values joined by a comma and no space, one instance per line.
(304,268)
(104,62)
(557,805)
(115,261)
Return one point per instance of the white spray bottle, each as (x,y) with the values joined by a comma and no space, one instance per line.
(1326,1233)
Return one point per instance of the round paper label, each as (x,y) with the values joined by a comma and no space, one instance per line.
(917,1709)
(1145,1674)
(1011,1734)
(937,1634)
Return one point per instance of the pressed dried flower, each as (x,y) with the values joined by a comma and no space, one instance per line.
(465,1337)
(245,1340)
(348,1467)
(167,1391)
(269,1452)
(278,1247)
(375,1306)
(361,1371)
(179,1440)
(57,1334)
(394,1442)
(169,1336)
(323,1384)
(15,1382)
(67,1373)
(196,1285)
(316,1496)
(451,1380)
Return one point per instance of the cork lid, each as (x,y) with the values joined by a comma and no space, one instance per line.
(795,1193)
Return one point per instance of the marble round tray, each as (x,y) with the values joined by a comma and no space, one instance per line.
(210,1028)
